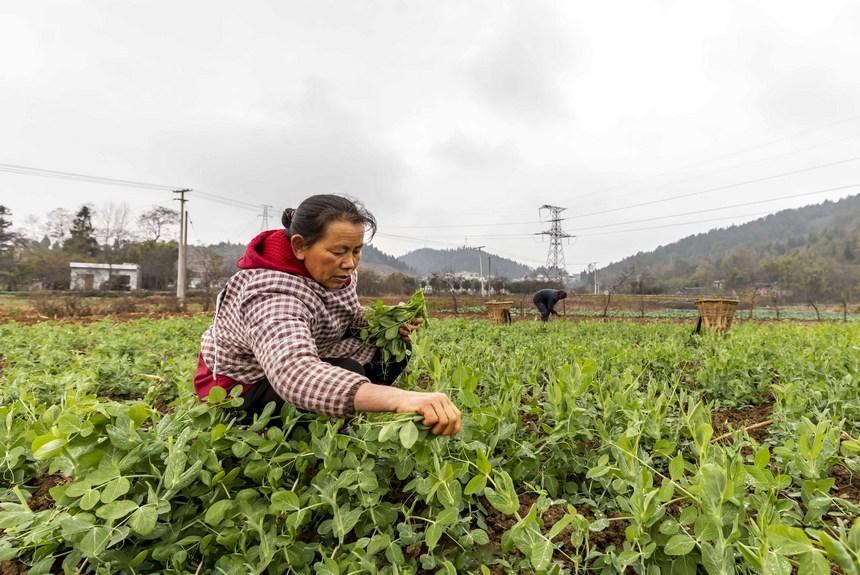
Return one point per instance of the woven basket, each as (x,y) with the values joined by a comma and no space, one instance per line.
(717,314)
(499,312)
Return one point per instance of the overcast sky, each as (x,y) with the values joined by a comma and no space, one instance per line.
(442,117)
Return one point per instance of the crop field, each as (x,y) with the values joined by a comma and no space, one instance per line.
(587,447)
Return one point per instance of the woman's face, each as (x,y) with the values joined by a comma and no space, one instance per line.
(333,257)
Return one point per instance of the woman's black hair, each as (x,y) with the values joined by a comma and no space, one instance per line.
(312,216)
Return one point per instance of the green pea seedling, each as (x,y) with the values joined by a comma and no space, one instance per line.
(385,321)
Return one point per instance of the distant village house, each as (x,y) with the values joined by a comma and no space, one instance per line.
(90,276)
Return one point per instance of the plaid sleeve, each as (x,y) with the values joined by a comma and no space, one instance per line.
(359,318)
(358,322)
(279,332)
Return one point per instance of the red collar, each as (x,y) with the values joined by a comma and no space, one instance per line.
(271,250)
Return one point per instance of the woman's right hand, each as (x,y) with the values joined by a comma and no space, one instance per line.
(437,408)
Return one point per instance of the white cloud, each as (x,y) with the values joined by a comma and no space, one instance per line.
(517,68)
(433,113)
(461,152)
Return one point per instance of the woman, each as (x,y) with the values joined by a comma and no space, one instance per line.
(285,324)
(545,301)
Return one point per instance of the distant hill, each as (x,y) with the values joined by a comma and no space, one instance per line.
(775,248)
(382,263)
(372,258)
(427,260)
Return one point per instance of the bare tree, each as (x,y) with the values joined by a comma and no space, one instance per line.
(619,281)
(842,281)
(58,222)
(33,228)
(752,301)
(157,221)
(209,267)
(776,298)
(811,282)
(112,223)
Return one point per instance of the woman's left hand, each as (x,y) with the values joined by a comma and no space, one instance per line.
(407,328)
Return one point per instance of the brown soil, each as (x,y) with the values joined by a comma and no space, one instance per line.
(530,419)
(688,372)
(161,406)
(424,381)
(42,499)
(612,535)
(452,315)
(737,419)
(847,484)
(396,494)
(84,320)
(12,568)
(158,404)
(498,523)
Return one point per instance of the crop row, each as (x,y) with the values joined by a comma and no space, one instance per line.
(586,447)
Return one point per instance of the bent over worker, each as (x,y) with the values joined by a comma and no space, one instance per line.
(545,301)
(285,325)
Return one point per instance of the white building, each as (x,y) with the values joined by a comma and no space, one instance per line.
(89,276)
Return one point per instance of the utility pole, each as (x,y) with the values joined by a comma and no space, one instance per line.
(265,218)
(183,242)
(185,234)
(555,256)
(490,273)
(481,266)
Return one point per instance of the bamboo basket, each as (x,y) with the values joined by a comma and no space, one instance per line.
(717,314)
(499,312)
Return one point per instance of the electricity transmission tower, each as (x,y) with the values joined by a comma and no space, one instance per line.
(555,257)
(265,217)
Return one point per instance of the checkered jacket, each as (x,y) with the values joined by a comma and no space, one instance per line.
(278,325)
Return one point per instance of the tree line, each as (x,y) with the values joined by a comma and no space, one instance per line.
(806,255)
(37,254)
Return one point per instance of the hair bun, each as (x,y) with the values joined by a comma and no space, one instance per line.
(287,218)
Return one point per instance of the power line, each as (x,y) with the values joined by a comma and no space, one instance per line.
(225,200)
(739,164)
(655,218)
(679,214)
(640,204)
(431,241)
(417,239)
(495,251)
(717,188)
(736,153)
(440,226)
(740,205)
(678,224)
(194,232)
(31,171)
(664,226)
(88,178)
